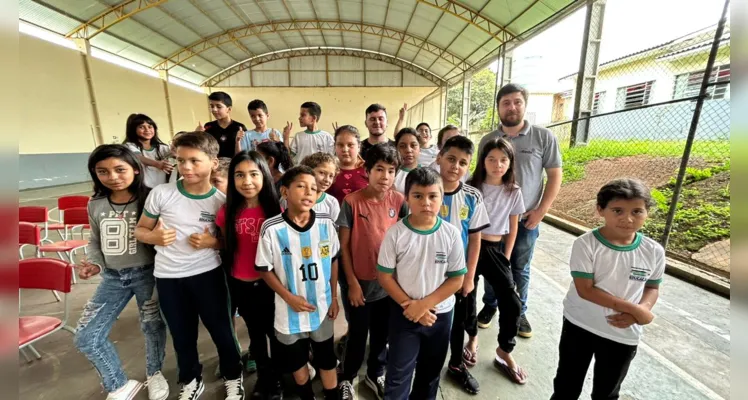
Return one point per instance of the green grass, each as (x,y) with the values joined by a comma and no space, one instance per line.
(704,219)
(575,159)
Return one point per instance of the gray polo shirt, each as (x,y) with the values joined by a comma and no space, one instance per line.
(535,149)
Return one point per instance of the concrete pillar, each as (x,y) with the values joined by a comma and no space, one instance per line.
(505,66)
(465,120)
(589,59)
(164,75)
(85,48)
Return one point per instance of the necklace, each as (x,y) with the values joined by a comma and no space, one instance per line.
(119,214)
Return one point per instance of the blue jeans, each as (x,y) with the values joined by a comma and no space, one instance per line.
(116,289)
(521,258)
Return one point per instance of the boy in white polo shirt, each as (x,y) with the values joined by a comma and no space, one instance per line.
(421,265)
(617,274)
(297,257)
(312,140)
(179,219)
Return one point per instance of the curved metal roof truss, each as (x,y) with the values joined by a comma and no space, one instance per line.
(438,39)
(321,51)
(285,26)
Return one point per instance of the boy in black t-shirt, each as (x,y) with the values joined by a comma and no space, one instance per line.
(226,131)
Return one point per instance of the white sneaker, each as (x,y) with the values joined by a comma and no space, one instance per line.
(312,371)
(234,388)
(127,392)
(158,387)
(346,391)
(192,390)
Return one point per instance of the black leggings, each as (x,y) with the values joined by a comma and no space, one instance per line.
(256,304)
(496,269)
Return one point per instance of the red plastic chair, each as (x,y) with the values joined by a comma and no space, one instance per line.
(74,218)
(44,274)
(36,215)
(65,203)
(29,234)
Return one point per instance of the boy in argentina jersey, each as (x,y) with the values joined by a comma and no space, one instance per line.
(421,265)
(297,257)
(464,208)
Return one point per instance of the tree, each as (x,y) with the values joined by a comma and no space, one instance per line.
(482,88)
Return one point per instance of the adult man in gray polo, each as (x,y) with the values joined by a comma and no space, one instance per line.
(536,150)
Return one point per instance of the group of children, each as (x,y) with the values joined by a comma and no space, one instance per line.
(404,233)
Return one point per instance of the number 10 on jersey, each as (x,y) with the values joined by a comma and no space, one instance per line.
(309,272)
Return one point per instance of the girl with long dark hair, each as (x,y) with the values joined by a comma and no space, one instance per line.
(126,268)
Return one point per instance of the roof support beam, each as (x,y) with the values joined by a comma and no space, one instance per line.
(321,51)
(475,18)
(114,15)
(257,30)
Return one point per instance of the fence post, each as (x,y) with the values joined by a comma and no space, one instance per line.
(694,125)
(587,75)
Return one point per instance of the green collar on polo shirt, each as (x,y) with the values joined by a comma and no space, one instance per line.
(633,246)
(433,229)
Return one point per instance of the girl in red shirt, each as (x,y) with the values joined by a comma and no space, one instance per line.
(250,199)
(352,176)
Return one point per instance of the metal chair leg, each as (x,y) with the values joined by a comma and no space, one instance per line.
(57,296)
(25,355)
(34,352)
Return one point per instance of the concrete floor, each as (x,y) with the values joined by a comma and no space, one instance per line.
(685,353)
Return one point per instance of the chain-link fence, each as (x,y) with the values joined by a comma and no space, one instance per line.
(642,111)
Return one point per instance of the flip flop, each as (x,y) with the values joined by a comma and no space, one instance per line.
(517,376)
(468,357)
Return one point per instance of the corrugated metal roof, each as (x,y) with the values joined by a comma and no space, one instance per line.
(446,37)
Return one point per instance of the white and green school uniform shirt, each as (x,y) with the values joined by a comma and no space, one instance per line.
(464,208)
(329,205)
(301,257)
(622,271)
(308,142)
(188,214)
(153,176)
(423,260)
(400,176)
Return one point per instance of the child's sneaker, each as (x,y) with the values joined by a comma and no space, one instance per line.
(250,365)
(346,391)
(234,388)
(192,390)
(127,392)
(462,376)
(485,316)
(376,386)
(158,387)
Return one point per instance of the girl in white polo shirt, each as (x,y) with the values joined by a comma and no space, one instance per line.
(617,273)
